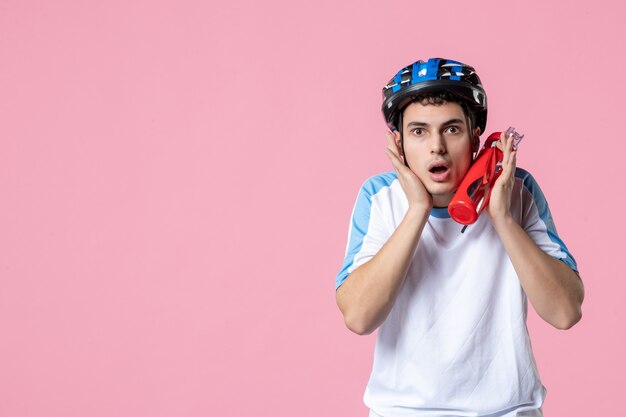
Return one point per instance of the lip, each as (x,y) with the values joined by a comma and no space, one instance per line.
(440,177)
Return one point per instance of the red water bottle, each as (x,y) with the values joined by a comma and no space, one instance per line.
(473,194)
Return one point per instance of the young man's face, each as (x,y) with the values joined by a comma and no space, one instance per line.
(438,147)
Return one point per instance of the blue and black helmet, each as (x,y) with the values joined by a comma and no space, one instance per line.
(434,75)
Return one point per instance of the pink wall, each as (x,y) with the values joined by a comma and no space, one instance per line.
(177,177)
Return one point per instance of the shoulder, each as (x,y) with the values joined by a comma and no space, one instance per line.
(525,178)
(374,184)
(383,194)
(529,184)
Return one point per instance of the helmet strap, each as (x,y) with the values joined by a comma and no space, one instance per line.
(400,123)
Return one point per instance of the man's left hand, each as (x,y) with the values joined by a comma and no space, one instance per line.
(500,201)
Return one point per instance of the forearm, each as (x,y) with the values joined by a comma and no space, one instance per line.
(553,288)
(369,292)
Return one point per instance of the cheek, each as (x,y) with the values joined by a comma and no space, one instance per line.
(466,163)
(464,167)
(413,152)
(464,160)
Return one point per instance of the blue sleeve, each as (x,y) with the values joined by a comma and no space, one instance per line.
(537,229)
(360,221)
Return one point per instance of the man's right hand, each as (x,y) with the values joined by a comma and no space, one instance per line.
(416,193)
(368,294)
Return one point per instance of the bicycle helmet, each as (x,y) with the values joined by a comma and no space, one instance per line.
(436,74)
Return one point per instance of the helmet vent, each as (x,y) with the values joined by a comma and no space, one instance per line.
(437,74)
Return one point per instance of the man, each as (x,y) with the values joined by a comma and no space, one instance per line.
(450,308)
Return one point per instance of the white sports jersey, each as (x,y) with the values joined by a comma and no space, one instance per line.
(455,342)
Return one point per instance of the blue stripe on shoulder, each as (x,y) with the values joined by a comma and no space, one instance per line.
(361,218)
(544,213)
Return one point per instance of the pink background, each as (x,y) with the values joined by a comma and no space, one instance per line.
(177,177)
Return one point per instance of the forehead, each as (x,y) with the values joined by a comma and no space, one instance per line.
(432,113)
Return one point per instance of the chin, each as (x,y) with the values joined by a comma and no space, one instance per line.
(442,193)
(441,190)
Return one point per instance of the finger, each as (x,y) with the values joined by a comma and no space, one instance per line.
(504,144)
(391,144)
(397,141)
(508,170)
(393,138)
(512,161)
(395,161)
(507,146)
(500,144)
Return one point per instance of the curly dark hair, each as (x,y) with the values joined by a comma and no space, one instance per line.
(437,98)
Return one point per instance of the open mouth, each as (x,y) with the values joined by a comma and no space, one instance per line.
(438,169)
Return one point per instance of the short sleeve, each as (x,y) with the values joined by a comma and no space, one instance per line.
(369,229)
(537,220)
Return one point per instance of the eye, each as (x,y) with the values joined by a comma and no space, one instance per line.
(453,129)
(418,131)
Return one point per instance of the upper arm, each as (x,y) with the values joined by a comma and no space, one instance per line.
(368,230)
(537,222)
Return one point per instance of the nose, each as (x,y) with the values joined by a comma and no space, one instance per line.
(438,144)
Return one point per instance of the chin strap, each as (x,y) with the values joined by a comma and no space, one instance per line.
(402,141)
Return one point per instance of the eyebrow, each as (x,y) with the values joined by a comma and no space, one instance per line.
(447,123)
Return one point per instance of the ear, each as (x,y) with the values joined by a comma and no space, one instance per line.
(398,142)
(476,140)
